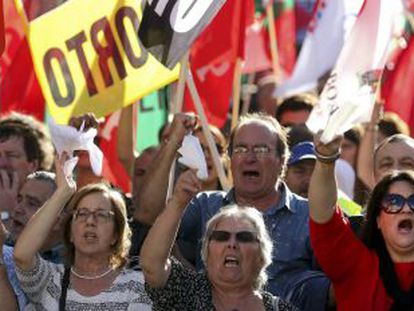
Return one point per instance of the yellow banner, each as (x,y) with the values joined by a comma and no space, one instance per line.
(88,57)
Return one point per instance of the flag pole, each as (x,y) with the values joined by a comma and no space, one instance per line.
(179,94)
(273,41)
(176,108)
(210,140)
(236,92)
(247,95)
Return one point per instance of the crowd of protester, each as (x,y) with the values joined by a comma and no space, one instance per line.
(304,226)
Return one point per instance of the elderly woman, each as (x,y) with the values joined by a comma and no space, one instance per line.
(236,252)
(97,239)
(376,273)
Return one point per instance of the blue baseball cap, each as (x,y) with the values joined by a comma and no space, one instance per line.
(302,151)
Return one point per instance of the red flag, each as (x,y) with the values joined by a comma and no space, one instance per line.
(2,39)
(214,83)
(220,39)
(213,58)
(246,20)
(19,88)
(397,90)
(112,169)
(285,34)
(257,56)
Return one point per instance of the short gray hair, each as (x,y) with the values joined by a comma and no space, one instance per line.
(44,176)
(256,219)
(274,126)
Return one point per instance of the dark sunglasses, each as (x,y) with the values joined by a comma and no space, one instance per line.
(241,236)
(393,203)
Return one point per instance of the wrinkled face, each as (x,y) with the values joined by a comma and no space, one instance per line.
(13,158)
(349,151)
(212,173)
(255,175)
(290,118)
(394,156)
(232,262)
(398,229)
(31,197)
(298,176)
(94,234)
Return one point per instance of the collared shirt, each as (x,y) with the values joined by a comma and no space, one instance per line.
(293,274)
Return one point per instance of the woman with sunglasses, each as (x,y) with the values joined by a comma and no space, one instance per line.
(96,236)
(376,273)
(236,251)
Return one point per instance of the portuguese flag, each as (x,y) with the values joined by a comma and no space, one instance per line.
(284,11)
(286,33)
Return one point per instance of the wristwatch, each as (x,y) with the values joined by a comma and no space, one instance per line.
(4,215)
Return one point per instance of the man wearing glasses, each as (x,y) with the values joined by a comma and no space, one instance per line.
(258,151)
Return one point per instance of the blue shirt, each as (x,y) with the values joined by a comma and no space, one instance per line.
(11,273)
(293,274)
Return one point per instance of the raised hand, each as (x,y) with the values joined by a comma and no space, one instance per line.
(187,186)
(182,124)
(89,118)
(63,181)
(9,188)
(330,149)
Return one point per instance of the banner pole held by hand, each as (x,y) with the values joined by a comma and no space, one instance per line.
(210,140)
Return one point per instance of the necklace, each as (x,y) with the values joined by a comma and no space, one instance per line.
(87,277)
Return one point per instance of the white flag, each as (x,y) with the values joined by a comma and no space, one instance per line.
(348,96)
(327,31)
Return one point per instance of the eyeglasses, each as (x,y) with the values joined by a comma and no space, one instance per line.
(241,236)
(393,203)
(259,151)
(101,216)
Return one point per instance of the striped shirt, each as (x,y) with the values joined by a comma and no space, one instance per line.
(42,286)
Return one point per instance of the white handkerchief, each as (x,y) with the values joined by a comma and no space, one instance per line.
(193,156)
(67,138)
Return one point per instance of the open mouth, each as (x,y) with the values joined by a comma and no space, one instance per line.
(405,226)
(90,236)
(251,174)
(231,261)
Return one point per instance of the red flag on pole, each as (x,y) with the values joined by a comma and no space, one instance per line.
(397,90)
(2,36)
(213,58)
(285,34)
(18,91)
(112,169)
(257,57)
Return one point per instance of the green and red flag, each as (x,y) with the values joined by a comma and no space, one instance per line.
(286,33)
(285,25)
